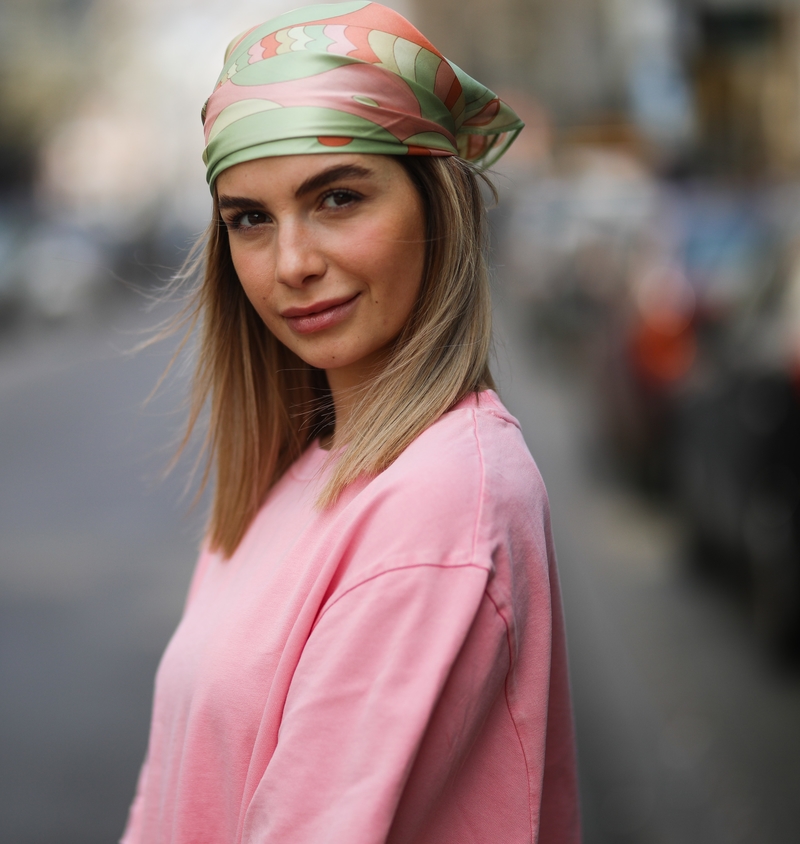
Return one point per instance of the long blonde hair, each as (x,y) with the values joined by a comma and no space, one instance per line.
(265,405)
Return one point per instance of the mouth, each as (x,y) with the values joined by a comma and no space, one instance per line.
(320,315)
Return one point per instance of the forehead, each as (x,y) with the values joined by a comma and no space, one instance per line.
(289,172)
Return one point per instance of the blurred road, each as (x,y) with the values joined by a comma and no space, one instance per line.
(95,554)
(685,732)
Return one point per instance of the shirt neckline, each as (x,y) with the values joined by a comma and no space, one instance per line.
(308,465)
(313,459)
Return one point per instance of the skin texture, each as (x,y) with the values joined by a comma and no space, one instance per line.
(340,230)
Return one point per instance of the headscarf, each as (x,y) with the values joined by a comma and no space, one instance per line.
(348,77)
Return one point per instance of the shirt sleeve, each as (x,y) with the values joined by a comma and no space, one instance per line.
(133,825)
(361,698)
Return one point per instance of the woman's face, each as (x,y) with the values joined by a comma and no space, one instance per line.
(330,250)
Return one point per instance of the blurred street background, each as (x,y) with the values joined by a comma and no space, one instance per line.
(646,255)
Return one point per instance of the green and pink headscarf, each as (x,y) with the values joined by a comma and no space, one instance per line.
(348,77)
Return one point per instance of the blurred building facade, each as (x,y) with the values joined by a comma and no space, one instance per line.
(41,75)
(745,71)
(709,84)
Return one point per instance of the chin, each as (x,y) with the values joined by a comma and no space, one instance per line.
(320,360)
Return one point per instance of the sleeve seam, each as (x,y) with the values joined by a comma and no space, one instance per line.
(511,712)
(379,574)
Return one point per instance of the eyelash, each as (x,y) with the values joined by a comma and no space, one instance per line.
(350,194)
(235,223)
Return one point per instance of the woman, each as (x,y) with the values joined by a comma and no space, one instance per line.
(372,647)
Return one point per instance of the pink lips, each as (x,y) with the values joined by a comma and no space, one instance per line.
(320,315)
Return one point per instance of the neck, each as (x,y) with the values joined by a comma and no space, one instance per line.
(344,392)
(347,385)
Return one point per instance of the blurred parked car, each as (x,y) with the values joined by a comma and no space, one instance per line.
(10,293)
(737,454)
(572,234)
(683,302)
(706,255)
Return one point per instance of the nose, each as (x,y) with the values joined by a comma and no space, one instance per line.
(300,258)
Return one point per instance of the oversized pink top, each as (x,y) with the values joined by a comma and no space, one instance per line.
(390,670)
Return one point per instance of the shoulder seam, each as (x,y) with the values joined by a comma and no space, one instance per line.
(481,486)
(499,413)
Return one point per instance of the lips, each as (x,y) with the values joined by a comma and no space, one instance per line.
(320,315)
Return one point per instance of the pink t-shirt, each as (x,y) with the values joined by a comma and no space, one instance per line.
(390,670)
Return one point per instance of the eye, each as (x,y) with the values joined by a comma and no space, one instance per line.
(245,220)
(340,198)
(250,219)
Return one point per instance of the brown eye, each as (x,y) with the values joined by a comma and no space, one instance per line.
(340,199)
(250,219)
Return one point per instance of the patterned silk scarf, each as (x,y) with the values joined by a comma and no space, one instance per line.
(348,77)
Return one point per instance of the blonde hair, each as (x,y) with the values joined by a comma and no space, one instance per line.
(266,405)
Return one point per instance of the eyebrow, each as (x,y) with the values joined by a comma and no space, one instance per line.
(236,203)
(332,174)
(313,183)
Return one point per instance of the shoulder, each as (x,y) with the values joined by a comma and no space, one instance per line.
(453,493)
(474,452)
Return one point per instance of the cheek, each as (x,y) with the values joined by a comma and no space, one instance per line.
(253,273)
(406,262)
(393,256)
(395,276)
